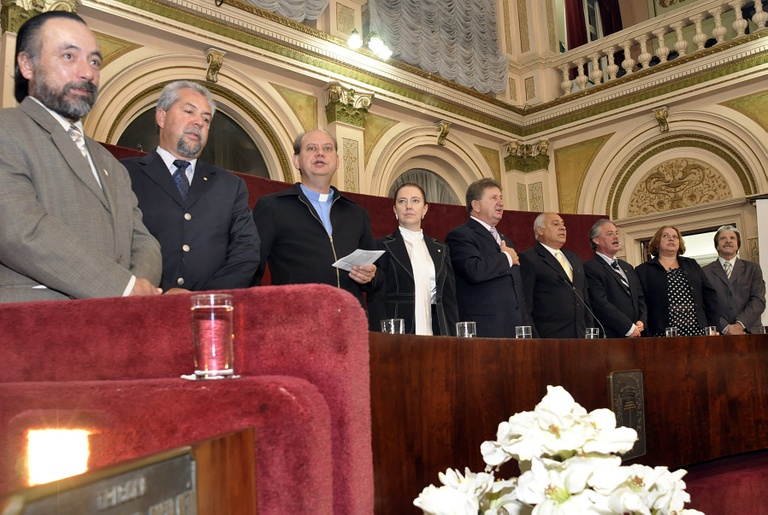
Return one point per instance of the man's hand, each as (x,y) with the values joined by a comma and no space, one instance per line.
(735,329)
(144,287)
(511,252)
(174,291)
(362,274)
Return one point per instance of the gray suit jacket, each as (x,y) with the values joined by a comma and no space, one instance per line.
(742,297)
(57,227)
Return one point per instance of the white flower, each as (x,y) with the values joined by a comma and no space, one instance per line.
(446,501)
(569,466)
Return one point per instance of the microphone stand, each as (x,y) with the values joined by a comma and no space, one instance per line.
(586,306)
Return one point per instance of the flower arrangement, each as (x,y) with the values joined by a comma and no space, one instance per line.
(569,465)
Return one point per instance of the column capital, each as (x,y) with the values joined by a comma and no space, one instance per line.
(345,104)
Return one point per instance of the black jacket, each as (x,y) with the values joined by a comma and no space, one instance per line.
(393,295)
(653,277)
(296,245)
(209,241)
(616,307)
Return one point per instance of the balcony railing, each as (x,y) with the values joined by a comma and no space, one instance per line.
(686,31)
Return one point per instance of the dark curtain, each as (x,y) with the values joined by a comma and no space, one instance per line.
(575,24)
(611,16)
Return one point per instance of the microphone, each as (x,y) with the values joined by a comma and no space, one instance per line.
(586,306)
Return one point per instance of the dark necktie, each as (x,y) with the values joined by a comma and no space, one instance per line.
(180,176)
(615,265)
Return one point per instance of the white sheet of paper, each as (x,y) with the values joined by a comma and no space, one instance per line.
(358,257)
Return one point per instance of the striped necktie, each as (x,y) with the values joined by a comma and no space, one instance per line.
(728,268)
(496,236)
(615,266)
(180,176)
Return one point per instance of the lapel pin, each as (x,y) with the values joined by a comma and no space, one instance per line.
(106,172)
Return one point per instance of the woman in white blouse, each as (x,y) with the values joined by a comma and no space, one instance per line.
(414,277)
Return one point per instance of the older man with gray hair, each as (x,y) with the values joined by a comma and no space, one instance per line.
(615,293)
(739,285)
(554,282)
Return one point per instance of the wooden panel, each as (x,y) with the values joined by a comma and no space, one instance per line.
(226,474)
(436,399)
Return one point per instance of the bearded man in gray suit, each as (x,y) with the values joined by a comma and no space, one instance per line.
(70,226)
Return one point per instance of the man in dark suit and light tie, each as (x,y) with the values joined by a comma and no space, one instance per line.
(615,293)
(554,282)
(198,212)
(487,268)
(739,285)
(69,223)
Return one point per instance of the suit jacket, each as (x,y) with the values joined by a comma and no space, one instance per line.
(393,295)
(296,245)
(209,241)
(653,277)
(742,297)
(556,303)
(488,290)
(616,307)
(59,228)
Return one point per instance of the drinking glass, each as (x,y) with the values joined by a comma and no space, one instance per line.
(213,330)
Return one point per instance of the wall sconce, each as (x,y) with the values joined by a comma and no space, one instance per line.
(375,44)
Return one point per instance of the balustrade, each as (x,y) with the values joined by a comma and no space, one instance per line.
(658,40)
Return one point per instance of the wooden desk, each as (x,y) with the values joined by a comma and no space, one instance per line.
(436,399)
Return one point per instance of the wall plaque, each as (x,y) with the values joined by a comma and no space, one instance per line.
(627,402)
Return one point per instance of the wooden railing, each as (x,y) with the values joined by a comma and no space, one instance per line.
(434,400)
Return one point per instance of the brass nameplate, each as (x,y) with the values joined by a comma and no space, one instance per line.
(158,488)
(628,403)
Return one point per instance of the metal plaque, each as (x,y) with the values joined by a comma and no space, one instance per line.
(627,402)
(164,487)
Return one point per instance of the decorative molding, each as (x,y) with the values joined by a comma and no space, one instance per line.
(304,106)
(697,144)
(13,13)
(530,88)
(526,157)
(551,30)
(662,113)
(522,197)
(678,183)
(375,127)
(215,59)
(346,105)
(754,250)
(350,149)
(112,48)
(345,18)
(571,166)
(522,21)
(536,197)
(491,156)
(443,128)
(754,107)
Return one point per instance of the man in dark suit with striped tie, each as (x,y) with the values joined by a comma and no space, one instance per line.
(615,293)
(487,268)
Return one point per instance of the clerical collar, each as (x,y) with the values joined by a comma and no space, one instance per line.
(315,196)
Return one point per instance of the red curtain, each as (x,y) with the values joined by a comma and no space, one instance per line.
(610,15)
(575,24)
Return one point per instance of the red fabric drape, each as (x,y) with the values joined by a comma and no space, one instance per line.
(575,24)
(610,15)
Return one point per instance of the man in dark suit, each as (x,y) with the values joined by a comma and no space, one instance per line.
(615,294)
(740,293)
(69,223)
(487,268)
(554,282)
(199,213)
